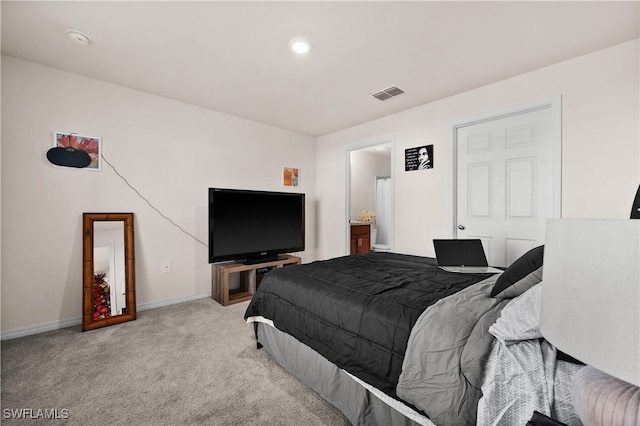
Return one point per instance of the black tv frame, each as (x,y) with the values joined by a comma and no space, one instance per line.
(254,256)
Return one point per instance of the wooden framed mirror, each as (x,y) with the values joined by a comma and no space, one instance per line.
(108,269)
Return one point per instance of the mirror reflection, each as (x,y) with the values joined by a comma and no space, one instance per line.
(108,269)
(109,287)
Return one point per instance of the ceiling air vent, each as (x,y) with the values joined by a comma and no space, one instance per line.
(388,93)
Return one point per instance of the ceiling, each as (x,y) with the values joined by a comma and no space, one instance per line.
(233,57)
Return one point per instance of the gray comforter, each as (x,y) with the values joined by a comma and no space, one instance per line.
(446,352)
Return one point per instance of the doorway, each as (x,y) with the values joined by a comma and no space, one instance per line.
(366,164)
(507,178)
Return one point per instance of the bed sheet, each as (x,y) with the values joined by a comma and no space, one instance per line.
(522,373)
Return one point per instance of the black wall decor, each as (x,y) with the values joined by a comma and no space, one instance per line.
(418,158)
(635,208)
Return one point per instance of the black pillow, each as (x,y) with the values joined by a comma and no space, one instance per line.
(523,274)
(539,419)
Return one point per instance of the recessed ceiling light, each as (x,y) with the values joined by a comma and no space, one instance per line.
(300,46)
(78,36)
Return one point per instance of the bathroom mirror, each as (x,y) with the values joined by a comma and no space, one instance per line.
(108,268)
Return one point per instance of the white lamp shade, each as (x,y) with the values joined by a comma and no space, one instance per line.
(591,293)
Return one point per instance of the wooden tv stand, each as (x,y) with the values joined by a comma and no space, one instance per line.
(249,278)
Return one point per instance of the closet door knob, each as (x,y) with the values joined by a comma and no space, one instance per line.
(461,227)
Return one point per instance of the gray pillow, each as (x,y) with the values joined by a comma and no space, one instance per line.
(523,274)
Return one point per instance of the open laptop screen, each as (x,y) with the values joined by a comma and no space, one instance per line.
(460,252)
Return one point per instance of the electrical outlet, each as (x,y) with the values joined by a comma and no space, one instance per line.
(166,265)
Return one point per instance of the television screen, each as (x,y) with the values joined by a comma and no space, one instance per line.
(254,226)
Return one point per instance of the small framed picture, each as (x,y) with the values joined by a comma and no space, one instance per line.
(290,176)
(90,144)
(418,158)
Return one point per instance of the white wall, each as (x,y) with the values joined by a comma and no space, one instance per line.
(600,140)
(170,151)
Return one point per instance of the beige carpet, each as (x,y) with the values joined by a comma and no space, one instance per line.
(190,363)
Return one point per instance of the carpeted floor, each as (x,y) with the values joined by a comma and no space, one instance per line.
(193,363)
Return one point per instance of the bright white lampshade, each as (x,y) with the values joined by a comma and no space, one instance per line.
(591,293)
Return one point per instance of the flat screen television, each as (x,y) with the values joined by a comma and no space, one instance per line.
(254,226)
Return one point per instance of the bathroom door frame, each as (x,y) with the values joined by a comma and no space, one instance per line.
(383,140)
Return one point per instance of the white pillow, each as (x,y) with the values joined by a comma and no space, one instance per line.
(520,319)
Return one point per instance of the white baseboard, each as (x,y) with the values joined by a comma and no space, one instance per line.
(71,322)
(40,328)
(168,302)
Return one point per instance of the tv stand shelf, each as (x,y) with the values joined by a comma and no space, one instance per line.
(249,278)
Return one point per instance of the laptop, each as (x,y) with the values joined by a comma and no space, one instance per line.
(463,256)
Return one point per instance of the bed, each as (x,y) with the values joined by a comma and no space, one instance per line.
(391,338)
